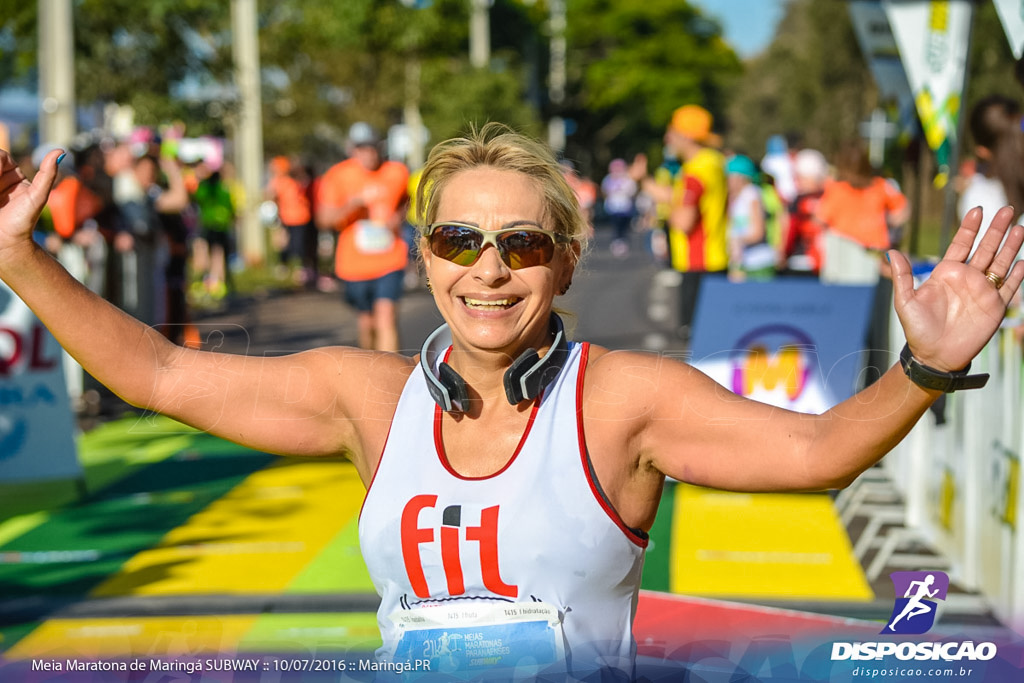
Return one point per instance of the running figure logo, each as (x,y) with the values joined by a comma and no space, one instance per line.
(915,611)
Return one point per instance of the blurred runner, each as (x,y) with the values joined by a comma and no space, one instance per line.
(619,191)
(289,189)
(364,199)
(217,223)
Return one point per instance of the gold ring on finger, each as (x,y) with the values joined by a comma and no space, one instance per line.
(996,281)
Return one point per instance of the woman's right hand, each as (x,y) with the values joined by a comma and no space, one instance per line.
(21,201)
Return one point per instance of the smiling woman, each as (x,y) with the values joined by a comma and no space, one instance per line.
(513,474)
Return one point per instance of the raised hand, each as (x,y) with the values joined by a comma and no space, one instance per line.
(22,201)
(955,312)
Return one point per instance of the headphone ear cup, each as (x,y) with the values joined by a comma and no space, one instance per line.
(513,376)
(456,386)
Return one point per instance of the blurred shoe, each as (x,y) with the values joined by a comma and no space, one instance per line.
(620,249)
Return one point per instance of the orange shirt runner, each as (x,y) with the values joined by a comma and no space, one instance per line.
(860,213)
(292,201)
(367,247)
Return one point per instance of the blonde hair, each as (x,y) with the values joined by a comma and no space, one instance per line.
(495,145)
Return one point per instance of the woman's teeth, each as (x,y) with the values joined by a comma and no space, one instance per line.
(492,304)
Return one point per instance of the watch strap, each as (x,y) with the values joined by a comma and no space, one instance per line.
(937,380)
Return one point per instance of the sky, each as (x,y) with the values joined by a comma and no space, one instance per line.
(748,24)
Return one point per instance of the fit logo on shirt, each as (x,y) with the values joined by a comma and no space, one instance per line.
(485,535)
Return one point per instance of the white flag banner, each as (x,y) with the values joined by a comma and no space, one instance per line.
(1011,13)
(36,424)
(932,36)
(879,48)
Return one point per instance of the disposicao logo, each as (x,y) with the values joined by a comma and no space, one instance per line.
(913,613)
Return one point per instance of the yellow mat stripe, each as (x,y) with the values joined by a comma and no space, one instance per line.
(762,546)
(255,539)
(170,637)
(128,637)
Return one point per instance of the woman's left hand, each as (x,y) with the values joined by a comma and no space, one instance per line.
(955,312)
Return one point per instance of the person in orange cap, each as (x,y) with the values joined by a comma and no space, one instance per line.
(697,217)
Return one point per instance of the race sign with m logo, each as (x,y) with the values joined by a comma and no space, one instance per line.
(792,343)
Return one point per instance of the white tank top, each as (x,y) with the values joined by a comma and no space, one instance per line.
(528,569)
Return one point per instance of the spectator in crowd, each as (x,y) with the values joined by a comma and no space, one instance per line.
(143,199)
(75,239)
(586,190)
(697,218)
(778,163)
(751,257)
(996,126)
(802,241)
(861,211)
(289,188)
(619,192)
(659,188)
(104,266)
(217,214)
(364,199)
(998,180)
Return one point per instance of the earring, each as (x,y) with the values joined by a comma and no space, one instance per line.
(565,288)
(430,288)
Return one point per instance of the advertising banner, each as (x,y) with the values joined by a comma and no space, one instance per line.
(795,344)
(36,424)
(1011,14)
(932,36)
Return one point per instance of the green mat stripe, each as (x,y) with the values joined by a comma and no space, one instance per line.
(657,563)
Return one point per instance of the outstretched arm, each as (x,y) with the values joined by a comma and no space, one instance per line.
(291,404)
(690,428)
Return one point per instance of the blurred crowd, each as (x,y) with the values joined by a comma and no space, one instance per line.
(149,221)
(707,210)
(136,219)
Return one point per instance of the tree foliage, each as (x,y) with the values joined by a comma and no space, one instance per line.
(324,65)
(811,83)
(631,64)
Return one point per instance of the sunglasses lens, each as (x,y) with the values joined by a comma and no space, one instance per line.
(456,244)
(525,248)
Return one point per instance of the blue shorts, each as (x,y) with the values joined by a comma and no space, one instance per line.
(361,294)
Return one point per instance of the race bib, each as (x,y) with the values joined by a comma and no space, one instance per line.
(469,638)
(373,238)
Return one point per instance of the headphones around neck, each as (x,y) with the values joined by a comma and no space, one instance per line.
(524,380)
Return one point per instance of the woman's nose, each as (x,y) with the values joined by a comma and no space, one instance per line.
(489,268)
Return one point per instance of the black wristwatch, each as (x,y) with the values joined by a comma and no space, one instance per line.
(930,378)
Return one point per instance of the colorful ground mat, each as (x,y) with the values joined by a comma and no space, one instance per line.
(174,519)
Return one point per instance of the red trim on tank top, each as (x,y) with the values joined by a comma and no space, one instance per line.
(443,456)
(595,488)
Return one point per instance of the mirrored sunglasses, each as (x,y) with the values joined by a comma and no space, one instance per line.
(519,247)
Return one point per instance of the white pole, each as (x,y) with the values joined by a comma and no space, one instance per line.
(57,123)
(249,131)
(556,75)
(480,34)
(413,120)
